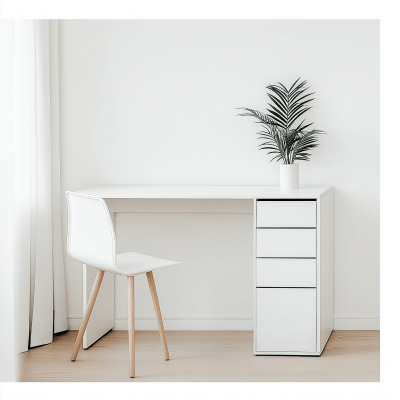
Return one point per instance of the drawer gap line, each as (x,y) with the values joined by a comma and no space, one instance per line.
(287,227)
(289,258)
(285,287)
(286,199)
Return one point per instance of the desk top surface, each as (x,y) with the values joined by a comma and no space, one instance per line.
(204,192)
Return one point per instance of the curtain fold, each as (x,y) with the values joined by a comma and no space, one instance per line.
(40,300)
(60,296)
(8,364)
(41,315)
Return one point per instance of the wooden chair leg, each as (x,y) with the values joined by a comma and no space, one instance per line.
(131,325)
(89,308)
(154,296)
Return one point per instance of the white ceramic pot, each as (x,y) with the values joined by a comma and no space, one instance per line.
(289,174)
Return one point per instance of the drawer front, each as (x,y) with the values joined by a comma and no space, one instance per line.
(286,272)
(286,320)
(286,243)
(287,214)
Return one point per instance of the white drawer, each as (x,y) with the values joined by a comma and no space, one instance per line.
(286,243)
(286,320)
(286,214)
(286,272)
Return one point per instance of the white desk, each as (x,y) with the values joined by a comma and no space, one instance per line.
(307,221)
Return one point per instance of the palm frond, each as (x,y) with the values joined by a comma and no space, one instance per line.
(288,106)
(262,118)
(307,142)
(301,127)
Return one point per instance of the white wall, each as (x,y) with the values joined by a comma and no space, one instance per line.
(154,102)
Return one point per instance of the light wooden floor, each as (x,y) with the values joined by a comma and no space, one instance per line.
(201,356)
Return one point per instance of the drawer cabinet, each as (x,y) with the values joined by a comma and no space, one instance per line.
(286,242)
(286,214)
(293,275)
(285,272)
(287,320)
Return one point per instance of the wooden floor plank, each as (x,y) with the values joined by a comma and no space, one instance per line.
(201,356)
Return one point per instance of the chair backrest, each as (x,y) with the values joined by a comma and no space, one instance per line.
(91,236)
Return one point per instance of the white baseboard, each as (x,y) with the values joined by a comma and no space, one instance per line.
(356,323)
(178,323)
(189,323)
(222,323)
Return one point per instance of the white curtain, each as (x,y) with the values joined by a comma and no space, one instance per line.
(40,295)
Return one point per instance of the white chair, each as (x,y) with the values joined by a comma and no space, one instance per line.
(91,241)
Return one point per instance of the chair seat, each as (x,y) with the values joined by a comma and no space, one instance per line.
(132,263)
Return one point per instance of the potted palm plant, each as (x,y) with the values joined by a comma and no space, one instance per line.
(281,136)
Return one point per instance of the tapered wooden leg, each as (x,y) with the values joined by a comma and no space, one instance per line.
(89,308)
(131,325)
(154,296)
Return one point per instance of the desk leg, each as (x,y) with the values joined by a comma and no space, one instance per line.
(102,318)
